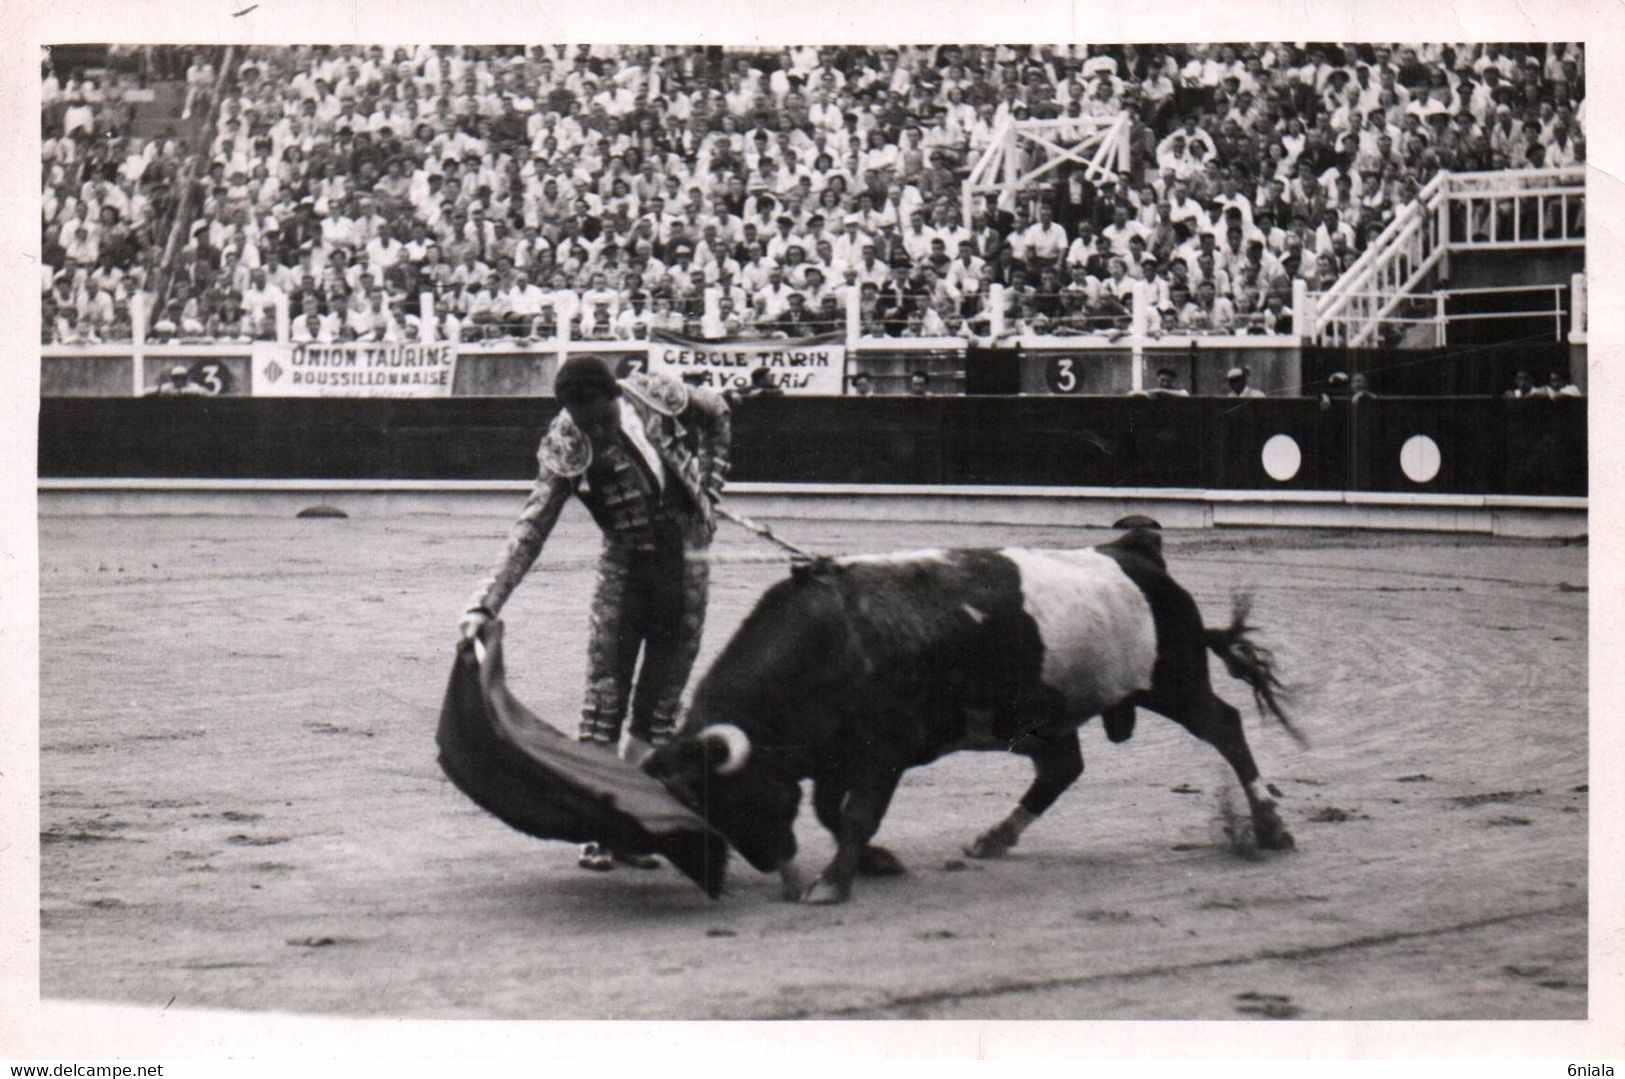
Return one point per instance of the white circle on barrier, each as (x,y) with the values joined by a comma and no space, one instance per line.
(1281,457)
(1419,458)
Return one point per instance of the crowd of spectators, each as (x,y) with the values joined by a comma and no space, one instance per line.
(717,192)
(107,197)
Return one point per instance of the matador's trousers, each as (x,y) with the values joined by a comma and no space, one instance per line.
(648,601)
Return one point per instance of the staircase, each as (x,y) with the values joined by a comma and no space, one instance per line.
(1380,301)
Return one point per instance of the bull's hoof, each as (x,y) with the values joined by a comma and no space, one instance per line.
(792,885)
(825,893)
(995,843)
(879,862)
(1272,835)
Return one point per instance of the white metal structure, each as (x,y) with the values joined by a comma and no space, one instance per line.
(1023,152)
(1521,209)
(1469,211)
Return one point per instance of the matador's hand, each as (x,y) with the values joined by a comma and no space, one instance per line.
(469,626)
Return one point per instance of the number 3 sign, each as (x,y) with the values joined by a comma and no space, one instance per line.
(1061,374)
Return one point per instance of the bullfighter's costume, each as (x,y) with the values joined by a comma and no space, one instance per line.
(651,489)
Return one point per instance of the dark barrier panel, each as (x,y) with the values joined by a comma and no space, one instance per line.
(1533,446)
(504,374)
(292,438)
(86,376)
(1242,428)
(1545,446)
(1544,449)
(992,371)
(1091,441)
(1465,430)
(1165,442)
(839,440)
(1456,371)
(1485,445)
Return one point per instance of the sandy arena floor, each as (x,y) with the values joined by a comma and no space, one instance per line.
(241,807)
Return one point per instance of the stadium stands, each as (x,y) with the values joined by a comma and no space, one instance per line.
(719,191)
(113,150)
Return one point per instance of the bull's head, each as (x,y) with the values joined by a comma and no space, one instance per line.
(712,771)
(721,749)
(756,722)
(728,741)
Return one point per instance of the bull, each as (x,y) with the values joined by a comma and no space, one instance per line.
(853,670)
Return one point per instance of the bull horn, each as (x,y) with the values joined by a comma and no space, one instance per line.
(734,741)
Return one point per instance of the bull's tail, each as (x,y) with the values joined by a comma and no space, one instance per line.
(1252,663)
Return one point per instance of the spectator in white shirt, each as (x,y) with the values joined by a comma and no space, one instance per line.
(260,298)
(1044,240)
(1561,151)
(526,298)
(1182,208)
(773,298)
(79,116)
(384,249)
(82,247)
(917,237)
(597,323)
(632,323)
(967,271)
(566,301)
(869,266)
(1122,229)
(310,329)
(1176,155)
(722,320)
(1332,225)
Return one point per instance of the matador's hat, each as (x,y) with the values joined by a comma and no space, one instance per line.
(582,378)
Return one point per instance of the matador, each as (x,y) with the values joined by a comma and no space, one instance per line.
(647,455)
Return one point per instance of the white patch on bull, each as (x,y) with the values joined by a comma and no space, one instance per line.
(1100,641)
(1259,791)
(977,615)
(928,554)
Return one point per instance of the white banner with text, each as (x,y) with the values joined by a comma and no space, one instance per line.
(354,369)
(813,366)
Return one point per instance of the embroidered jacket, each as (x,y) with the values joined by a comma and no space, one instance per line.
(689,429)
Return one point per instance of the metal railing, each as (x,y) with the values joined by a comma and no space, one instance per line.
(1529,208)
(1537,208)
(1402,319)
(191,178)
(1351,311)
(1556,311)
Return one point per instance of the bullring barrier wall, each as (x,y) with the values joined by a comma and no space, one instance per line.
(1412,446)
(1061,445)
